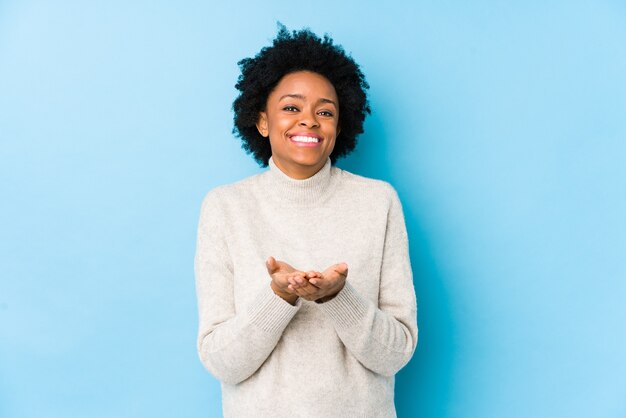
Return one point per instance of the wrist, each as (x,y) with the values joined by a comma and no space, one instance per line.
(287,297)
(327,298)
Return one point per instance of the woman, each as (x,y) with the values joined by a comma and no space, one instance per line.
(305,292)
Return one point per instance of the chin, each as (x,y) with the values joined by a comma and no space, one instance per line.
(310,162)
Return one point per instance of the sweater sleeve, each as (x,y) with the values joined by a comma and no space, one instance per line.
(383,338)
(232,344)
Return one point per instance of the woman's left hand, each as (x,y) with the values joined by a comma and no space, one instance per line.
(316,286)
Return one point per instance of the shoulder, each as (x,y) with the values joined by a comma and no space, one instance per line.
(232,193)
(368,188)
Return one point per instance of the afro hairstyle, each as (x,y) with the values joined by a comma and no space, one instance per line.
(299,51)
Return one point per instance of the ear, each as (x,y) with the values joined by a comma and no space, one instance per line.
(261,124)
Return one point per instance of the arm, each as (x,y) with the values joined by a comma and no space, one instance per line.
(232,344)
(383,337)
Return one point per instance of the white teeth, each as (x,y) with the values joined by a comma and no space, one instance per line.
(304,139)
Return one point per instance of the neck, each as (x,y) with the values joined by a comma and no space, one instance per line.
(300,172)
(310,190)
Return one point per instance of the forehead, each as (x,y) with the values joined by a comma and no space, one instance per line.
(305,83)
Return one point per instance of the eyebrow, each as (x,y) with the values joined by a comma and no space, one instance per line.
(301,97)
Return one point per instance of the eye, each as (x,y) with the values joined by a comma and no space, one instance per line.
(326,113)
(290,108)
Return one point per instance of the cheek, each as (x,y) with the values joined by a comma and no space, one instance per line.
(281,124)
(335,129)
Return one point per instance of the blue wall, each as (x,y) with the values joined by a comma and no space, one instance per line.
(502,127)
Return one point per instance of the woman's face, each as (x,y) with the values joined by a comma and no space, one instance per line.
(301,119)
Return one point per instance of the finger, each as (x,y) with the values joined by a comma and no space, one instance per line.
(295,280)
(337,269)
(342,268)
(318,282)
(322,281)
(271,265)
(313,277)
(309,289)
(298,284)
(314,285)
(299,278)
(292,282)
(307,294)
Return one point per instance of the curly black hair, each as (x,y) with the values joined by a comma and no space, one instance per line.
(299,51)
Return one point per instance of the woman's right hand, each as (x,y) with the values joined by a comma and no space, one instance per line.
(280,271)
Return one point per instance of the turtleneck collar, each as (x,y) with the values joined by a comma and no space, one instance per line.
(312,190)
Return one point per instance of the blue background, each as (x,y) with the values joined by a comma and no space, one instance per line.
(502,126)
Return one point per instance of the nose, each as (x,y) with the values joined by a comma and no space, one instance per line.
(308,118)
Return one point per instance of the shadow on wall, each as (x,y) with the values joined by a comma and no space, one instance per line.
(423,387)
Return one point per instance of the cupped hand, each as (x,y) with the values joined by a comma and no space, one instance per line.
(317,286)
(279,271)
(299,284)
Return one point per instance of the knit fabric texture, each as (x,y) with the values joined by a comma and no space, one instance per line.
(332,359)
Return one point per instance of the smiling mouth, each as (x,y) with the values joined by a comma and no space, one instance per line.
(305,139)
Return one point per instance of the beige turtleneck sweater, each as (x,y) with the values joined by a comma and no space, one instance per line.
(334,359)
